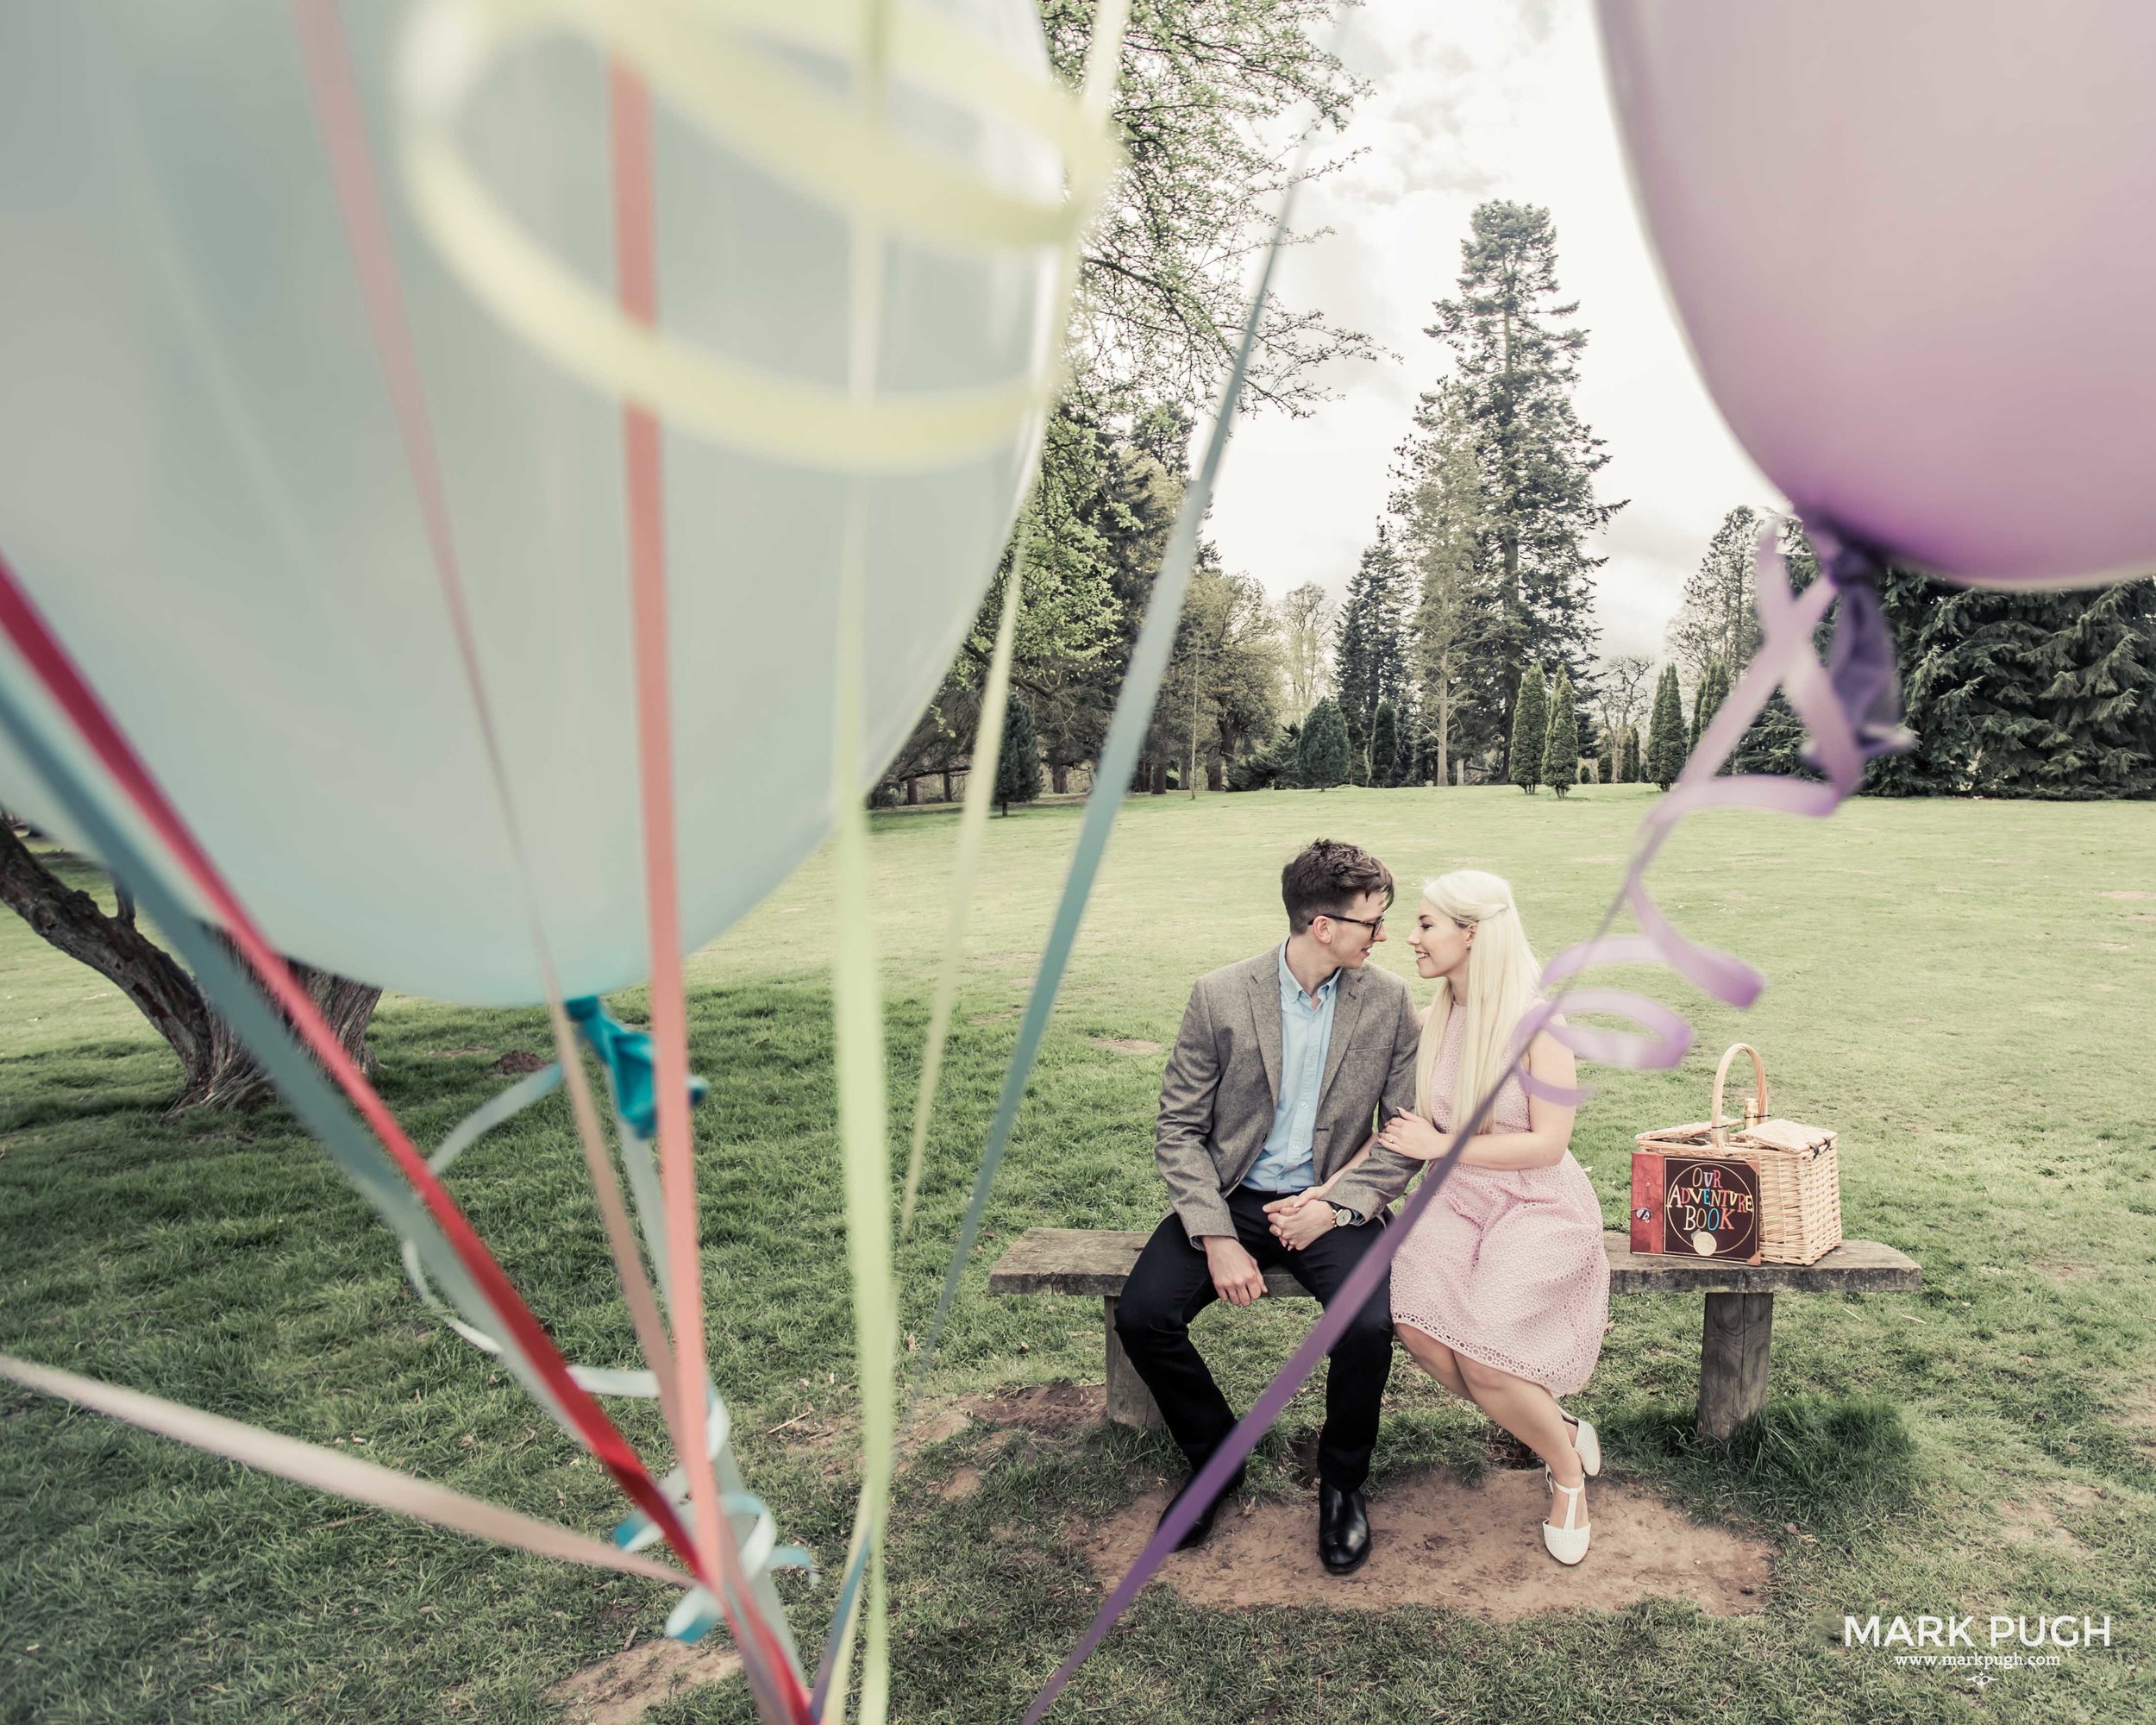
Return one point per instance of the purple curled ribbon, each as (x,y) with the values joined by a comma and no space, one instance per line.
(1851,713)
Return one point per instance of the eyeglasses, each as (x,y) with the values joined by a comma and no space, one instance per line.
(1375,925)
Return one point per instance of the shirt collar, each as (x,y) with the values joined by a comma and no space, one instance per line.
(1290,989)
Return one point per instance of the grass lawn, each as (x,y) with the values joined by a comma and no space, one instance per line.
(1965,990)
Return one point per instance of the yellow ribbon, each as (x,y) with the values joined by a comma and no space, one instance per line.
(972,827)
(714,61)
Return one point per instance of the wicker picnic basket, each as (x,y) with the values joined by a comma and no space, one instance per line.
(1799,1174)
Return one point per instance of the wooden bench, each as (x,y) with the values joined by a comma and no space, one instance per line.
(1737,1332)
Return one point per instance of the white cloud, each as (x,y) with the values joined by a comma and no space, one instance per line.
(1470,104)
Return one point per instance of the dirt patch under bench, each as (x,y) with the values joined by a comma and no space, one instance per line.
(1052,1409)
(1441,1540)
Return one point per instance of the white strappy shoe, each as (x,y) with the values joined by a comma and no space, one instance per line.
(1567,1544)
(1586,1445)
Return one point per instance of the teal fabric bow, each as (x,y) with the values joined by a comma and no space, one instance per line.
(626,1055)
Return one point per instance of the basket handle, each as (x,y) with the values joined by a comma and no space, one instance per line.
(1722,1077)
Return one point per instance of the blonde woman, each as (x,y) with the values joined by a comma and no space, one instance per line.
(1503,1291)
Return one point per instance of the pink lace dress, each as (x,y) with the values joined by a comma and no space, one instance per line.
(1506,1265)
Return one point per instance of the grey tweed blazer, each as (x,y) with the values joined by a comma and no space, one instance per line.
(1222,1085)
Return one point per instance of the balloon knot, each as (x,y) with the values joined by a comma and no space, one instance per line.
(626,1055)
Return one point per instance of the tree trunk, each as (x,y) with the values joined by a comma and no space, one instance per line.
(216,1069)
(234,1079)
(1160,777)
(1445,720)
(947,795)
(112,946)
(1215,777)
(1059,777)
(912,791)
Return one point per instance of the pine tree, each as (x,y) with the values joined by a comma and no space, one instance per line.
(1712,691)
(1321,755)
(1628,769)
(1018,761)
(1561,745)
(1665,733)
(1515,367)
(1370,655)
(2023,694)
(1530,729)
(1385,746)
(1658,721)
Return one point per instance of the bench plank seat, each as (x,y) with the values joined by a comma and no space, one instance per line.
(1099,1261)
(1736,1334)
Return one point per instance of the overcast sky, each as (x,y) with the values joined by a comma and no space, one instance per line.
(1471,102)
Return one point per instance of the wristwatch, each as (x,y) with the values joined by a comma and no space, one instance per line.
(1343,1217)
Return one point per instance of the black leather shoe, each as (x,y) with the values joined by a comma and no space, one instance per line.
(1202,1529)
(1344,1529)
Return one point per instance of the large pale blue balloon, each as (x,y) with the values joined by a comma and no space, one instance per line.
(1911,243)
(201,484)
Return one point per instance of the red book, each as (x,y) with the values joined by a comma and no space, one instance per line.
(1697,1206)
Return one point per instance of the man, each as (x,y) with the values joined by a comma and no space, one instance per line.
(1279,1072)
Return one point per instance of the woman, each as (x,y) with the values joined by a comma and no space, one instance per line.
(1503,1291)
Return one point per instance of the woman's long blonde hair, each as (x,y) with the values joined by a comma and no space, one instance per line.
(1503,978)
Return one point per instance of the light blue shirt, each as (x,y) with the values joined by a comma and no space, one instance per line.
(1306,1032)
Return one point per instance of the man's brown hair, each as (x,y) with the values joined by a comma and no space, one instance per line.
(1327,878)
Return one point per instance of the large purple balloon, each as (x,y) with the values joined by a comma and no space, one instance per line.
(1914,244)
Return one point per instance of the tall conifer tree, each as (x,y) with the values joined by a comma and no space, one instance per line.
(1515,364)
(1370,662)
(1707,699)
(1529,728)
(1665,732)
(1019,761)
(1385,746)
(1561,745)
(1321,753)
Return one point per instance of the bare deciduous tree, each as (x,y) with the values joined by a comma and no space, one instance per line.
(1716,620)
(1621,700)
(1306,631)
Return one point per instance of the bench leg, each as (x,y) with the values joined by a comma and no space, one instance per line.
(1733,1361)
(1130,1402)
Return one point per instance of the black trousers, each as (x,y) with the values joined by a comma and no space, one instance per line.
(1172,1282)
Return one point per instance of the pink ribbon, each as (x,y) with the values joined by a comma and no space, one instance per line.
(1785,659)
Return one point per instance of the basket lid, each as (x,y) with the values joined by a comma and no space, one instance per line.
(1787,1135)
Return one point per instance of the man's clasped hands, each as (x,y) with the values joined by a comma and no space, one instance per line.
(1299,1218)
